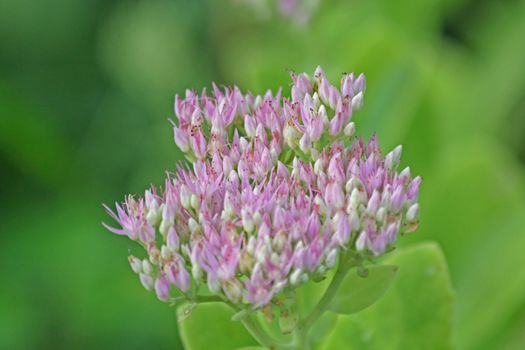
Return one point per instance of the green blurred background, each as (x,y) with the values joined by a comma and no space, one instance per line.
(86,90)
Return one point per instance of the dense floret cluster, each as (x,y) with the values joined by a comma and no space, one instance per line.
(276,189)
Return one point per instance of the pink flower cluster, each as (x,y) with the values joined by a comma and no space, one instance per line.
(277,189)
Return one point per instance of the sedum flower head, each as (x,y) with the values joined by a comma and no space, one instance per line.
(276,189)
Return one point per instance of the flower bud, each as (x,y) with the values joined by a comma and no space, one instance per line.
(196,271)
(198,144)
(355,199)
(360,83)
(412,213)
(405,174)
(318,166)
(185,196)
(291,135)
(381,214)
(247,221)
(315,100)
(392,158)
(227,165)
(232,290)
(165,252)
(246,263)
(334,195)
(331,258)
(295,277)
(305,144)
(355,223)
(193,225)
(357,101)
(373,203)
(341,228)
(349,129)
(135,263)
(361,242)
(249,126)
(146,280)
(172,239)
(314,154)
(181,139)
(194,202)
(146,267)
(162,288)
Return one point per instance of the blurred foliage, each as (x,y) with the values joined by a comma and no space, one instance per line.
(86,88)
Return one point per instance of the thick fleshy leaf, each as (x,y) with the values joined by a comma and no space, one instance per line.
(415,313)
(210,327)
(357,293)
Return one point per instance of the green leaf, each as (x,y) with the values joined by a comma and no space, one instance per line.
(415,313)
(210,327)
(356,293)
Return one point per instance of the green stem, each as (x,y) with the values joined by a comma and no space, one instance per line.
(208,299)
(328,295)
(260,335)
(301,339)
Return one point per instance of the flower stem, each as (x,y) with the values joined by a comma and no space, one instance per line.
(260,335)
(322,305)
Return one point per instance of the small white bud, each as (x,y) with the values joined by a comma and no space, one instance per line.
(279,242)
(154,214)
(413,213)
(405,173)
(354,221)
(147,281)
(146,267)
(331,258)
(291,136)
(193,225)
(357,101)
(305,144)
(392,158)
(196,271)
(361,241)
(322,206)
(260,254)
(247,221)
(258,101)
(257,218)
(164,227)
(381,214)
(318,166)
(165,252)
(354,201)
(349,129)
(315,100)
(243,143)
(295,277)
(135,263)
(351,184)
(314,154)
(185,197)
(373,203)
(194,202)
